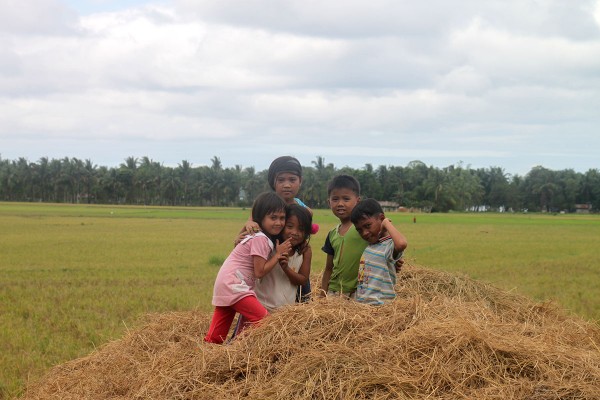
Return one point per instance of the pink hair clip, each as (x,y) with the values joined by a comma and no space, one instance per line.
(314,229)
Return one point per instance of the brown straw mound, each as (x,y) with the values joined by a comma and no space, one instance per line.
(445,337)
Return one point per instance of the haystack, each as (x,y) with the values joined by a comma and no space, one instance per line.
(445,337)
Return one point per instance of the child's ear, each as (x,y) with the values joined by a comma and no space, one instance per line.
(381,216)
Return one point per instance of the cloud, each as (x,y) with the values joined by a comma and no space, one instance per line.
(27,17)
(478,80)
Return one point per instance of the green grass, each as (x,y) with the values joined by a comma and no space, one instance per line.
(545,257)
(75,276)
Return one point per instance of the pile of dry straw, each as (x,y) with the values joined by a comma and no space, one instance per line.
(445,337)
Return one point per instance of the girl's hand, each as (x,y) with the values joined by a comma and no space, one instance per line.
(250,228)
(283,250)
(284,263)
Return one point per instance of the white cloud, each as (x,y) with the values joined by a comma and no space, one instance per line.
(508,57)
(436,81)
(40,17)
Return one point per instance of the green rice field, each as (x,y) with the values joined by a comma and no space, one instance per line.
(74,277)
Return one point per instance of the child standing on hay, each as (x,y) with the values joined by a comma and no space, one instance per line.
(377,269)
(285,178)
(252,258)
(343,245)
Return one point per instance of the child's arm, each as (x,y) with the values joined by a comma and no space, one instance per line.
(326,275)
(400,241)
(300,277)
(262,267)
(249,228)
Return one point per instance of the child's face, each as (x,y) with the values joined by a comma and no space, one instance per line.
(273,223)
(287,186)
(342,202)
(369,228)
(293,230)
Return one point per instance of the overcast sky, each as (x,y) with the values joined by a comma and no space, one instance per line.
(508,83)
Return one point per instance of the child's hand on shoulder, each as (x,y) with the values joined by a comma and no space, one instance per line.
(386,223)
(384,226)
(250,227)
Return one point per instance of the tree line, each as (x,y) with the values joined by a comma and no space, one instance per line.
(143,181)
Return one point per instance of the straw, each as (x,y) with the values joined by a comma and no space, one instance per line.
(444,337)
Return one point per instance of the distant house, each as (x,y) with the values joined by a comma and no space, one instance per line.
(583,208)
(388,206)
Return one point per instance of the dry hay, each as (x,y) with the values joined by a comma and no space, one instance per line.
(445,337)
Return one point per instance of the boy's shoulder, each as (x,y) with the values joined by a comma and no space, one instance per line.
(350,238)
(383,243)
(334,230)
(385,240)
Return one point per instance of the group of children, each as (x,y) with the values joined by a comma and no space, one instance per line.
(270,264)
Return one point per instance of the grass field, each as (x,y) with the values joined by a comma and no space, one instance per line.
(75,277)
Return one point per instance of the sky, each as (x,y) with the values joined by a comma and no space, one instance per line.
(498,83)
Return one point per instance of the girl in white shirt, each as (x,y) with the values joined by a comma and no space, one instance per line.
(280,286)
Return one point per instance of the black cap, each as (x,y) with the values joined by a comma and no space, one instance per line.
(283,164)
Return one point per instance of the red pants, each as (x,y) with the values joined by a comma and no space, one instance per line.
(249,307)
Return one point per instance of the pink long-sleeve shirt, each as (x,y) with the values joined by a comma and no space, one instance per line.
(235,279)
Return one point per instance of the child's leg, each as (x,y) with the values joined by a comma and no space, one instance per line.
(252,312)
(220,324)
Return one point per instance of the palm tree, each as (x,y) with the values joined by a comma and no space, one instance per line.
(434,186)
(184,172)
(90,179)
(42,178)
(22,179)
(4,178)
(318,187)
(55,170)
(215,181)
(590,188)
(127,178)
(170,185)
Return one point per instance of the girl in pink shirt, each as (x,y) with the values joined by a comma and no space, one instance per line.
(251,259)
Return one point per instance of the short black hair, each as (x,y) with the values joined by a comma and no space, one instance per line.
(304,219)
(365,208)
(344,182)
(265,204)
(283,164)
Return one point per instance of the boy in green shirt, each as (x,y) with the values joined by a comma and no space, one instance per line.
(343,245)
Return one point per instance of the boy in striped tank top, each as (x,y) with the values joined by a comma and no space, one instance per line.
(377,269)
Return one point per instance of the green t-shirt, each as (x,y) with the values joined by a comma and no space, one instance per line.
(346,251)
